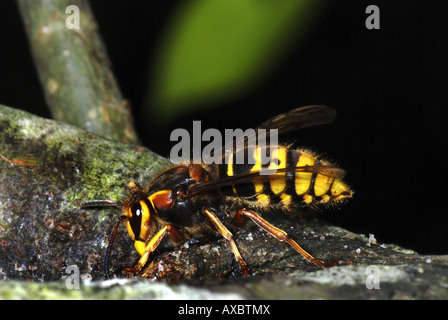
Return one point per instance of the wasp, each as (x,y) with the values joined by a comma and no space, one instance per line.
(188,201)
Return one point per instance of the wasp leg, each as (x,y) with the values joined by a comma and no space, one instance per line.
(150,247)
(228,236)
(279,235)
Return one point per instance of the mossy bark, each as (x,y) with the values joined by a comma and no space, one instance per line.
(47,169)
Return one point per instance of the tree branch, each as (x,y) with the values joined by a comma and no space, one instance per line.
(74,69)
(48,168)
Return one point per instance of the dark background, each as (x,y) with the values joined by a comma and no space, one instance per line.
(389,87)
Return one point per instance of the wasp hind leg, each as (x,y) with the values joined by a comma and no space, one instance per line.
(228,236)
(279,235)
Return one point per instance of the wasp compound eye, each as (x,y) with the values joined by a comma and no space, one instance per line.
(139,216)
(135,220)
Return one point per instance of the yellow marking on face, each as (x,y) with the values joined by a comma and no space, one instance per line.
(140,247)
(303,179)
(131,233)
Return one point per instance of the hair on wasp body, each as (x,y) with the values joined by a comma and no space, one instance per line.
(182,202)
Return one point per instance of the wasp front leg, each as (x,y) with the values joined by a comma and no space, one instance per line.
(228,236)
(151,246)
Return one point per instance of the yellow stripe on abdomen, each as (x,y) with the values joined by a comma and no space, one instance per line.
(263,199)
(259,186)
(322,184)
(230,166)
(278,182)
(303,179)
(285,199)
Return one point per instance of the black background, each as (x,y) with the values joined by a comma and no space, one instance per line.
(389,87)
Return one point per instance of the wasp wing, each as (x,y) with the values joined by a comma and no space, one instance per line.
(296,119)
(256,176)
(300,118)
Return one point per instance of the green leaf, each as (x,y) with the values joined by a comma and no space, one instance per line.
(214,50)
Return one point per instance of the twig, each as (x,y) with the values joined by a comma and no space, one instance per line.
(74,68)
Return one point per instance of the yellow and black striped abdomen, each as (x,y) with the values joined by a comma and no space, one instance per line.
(285,187)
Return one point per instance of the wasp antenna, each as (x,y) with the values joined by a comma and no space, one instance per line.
(100,203)
(113,236)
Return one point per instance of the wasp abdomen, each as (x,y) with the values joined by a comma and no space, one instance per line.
(293,182)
